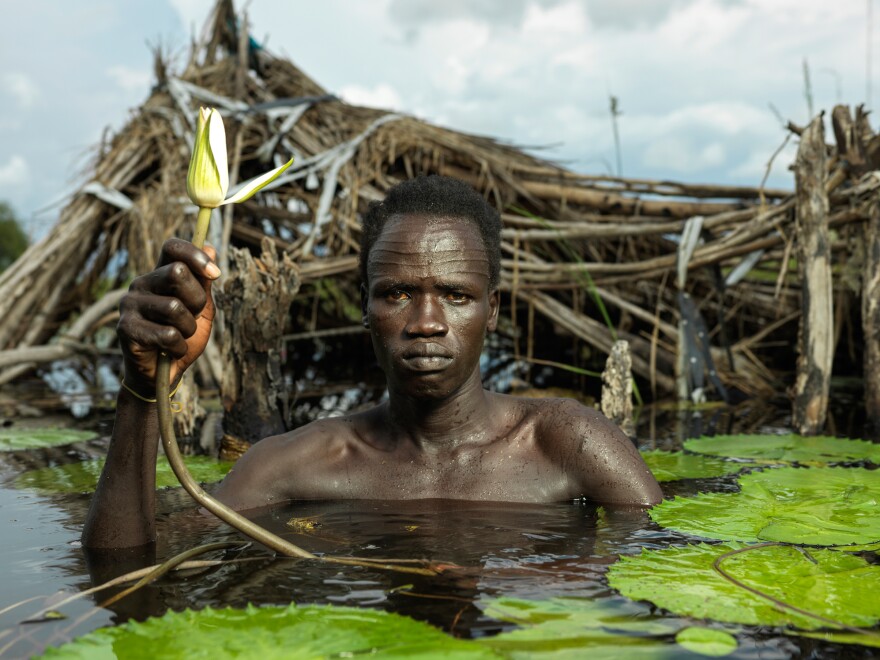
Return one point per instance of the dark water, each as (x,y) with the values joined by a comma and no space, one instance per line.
(523,551)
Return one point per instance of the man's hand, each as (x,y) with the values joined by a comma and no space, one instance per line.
(170,310)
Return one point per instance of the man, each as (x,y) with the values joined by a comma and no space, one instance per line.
(430,263)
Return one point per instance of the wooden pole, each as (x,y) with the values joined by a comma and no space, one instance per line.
(871,317)
(816,332)
(255,299)
(617,387)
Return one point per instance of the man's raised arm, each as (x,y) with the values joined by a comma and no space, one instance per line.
(171,310)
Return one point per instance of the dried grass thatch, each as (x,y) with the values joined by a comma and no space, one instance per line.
(564,233)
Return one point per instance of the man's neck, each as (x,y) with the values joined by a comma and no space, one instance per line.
(439,425)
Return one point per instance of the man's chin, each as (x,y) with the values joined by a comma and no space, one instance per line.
(422,388)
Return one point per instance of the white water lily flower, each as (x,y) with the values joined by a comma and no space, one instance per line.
(208,178)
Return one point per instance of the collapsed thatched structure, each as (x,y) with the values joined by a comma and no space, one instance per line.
(574,245)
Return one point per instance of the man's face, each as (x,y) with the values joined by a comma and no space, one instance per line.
(428,303)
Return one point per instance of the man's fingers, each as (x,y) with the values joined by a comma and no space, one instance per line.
(153,336)
(198,261)
(174,280)
(165,310)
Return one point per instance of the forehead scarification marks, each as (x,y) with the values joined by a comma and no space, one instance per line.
(428,248)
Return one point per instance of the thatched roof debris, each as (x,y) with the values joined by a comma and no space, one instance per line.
(564,232)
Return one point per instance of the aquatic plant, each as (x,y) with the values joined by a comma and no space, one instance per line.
(789,448)
(674,465)
(207,180)
(579,627)
(82,476)
(682,580)
(555,628)
(16,439)
(814,506)
(309,631)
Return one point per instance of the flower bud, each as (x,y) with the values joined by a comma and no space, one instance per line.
(208,178)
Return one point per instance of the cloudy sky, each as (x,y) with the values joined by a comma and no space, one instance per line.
(695,79)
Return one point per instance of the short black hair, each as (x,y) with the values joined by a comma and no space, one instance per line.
(436,196)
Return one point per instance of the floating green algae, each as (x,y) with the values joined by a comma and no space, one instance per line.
(813,506)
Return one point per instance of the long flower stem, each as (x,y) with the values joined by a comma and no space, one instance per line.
(202,223)
(227,515)
(172,453)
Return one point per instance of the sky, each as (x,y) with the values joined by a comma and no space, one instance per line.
(702,85)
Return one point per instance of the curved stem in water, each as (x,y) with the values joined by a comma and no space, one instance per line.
(227,515)
(172,452)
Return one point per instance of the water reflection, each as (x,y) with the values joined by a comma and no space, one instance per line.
(526,551)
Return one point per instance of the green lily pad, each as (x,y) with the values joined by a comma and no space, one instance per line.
(813,506)
(707,641)
(825,582)
(581,628)
(674,465)
(266,633)
(15,439)
(82,477)
(790,448)
(845,638)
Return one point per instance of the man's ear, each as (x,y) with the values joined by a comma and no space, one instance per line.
(494,306)
(365,319)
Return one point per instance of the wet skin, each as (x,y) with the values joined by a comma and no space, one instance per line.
(428,306)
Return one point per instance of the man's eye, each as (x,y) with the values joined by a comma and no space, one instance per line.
(396,295)
(456,297)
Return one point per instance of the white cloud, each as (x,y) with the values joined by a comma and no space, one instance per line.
(130,80)
(15,172)
(754,165)
(560,19)
(192,13)
(22,88)
(381,96)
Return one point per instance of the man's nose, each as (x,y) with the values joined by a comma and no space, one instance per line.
(427,318)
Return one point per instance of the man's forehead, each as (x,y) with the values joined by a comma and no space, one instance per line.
(420,233)
(429,244)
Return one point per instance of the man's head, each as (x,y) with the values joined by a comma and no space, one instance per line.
(438,197)
(430,287)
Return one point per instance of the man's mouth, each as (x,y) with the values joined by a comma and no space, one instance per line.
(427,357)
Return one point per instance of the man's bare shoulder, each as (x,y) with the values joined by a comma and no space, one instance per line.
(294,464)
(555,415)
(601,459)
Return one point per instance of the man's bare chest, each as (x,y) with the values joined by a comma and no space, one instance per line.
(513,471)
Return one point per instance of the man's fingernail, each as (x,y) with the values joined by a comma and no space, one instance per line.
(212,271)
